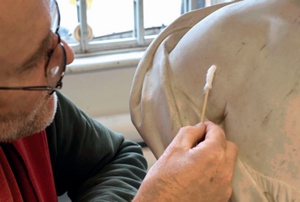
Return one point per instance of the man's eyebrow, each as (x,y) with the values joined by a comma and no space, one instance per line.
(41,51)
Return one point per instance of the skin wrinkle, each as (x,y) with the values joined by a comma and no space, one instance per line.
(37,55)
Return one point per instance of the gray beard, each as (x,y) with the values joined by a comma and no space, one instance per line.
(18,125)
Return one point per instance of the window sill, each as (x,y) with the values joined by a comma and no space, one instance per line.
(107,62)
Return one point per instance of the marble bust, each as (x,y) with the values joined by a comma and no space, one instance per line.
(255,97)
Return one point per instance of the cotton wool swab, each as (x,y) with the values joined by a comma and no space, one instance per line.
(207,87)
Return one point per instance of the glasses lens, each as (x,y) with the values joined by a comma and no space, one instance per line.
(56,66)
(55,16)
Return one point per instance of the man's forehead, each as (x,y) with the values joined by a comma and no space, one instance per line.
(24,25)
(21,7)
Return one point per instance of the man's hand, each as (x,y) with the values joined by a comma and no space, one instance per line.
(197,166)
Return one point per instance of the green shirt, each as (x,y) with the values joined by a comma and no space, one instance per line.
(89,161)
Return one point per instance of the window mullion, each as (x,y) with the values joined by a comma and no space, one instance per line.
(185,6)
(193,4)
(139,31)
(82,15)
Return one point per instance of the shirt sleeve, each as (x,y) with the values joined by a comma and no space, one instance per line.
(89,161)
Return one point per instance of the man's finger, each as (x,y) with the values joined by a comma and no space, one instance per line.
(214,135)
(190,136)
(231,154)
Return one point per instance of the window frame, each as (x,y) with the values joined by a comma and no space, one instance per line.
(139,40)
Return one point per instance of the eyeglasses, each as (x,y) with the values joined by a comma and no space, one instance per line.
(54,72)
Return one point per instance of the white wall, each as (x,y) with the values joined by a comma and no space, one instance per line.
(101,86)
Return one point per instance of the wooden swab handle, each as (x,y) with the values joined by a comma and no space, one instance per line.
(204,106)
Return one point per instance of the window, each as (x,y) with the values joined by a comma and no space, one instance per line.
(90,26)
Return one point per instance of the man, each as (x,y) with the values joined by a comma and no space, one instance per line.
(255,93)
(49,147)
